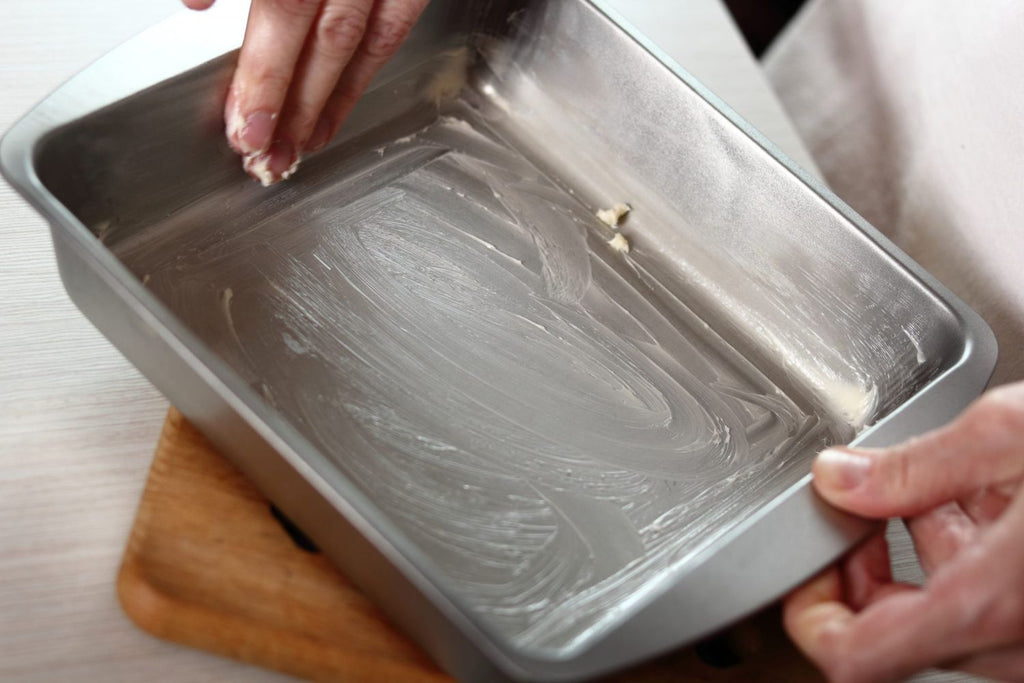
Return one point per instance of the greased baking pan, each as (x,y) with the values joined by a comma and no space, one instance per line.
(546,457)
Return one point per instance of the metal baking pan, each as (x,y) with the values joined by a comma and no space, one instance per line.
(544,457)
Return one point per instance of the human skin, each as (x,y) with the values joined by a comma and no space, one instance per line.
(959,491)
(301,69)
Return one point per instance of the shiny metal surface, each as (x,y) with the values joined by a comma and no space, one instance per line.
(545,458)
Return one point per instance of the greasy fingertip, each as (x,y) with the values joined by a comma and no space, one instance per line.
(252,133)
(278,163)
(198,4)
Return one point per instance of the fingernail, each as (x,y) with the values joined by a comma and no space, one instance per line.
(321,135)
(841,470)
(278,163)
(253,134)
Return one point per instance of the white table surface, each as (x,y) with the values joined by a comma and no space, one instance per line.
(78,423)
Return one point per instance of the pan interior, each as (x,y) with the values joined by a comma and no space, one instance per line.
(557,424)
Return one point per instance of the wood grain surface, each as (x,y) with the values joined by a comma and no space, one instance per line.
(210,565)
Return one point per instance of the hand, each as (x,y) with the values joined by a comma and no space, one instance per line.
(959,491)
(302,66)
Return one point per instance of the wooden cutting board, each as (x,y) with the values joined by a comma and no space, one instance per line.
(212,565)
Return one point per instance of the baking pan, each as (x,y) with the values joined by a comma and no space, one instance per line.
(549,447)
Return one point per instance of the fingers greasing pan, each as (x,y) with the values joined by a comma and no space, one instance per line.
(274,36)
(389,25)
(978,449)
(345,44)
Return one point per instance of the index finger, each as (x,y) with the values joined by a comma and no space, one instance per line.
(274,36)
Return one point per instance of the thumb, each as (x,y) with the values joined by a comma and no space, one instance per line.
(984,446)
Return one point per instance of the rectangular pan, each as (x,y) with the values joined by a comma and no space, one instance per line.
(545,457)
